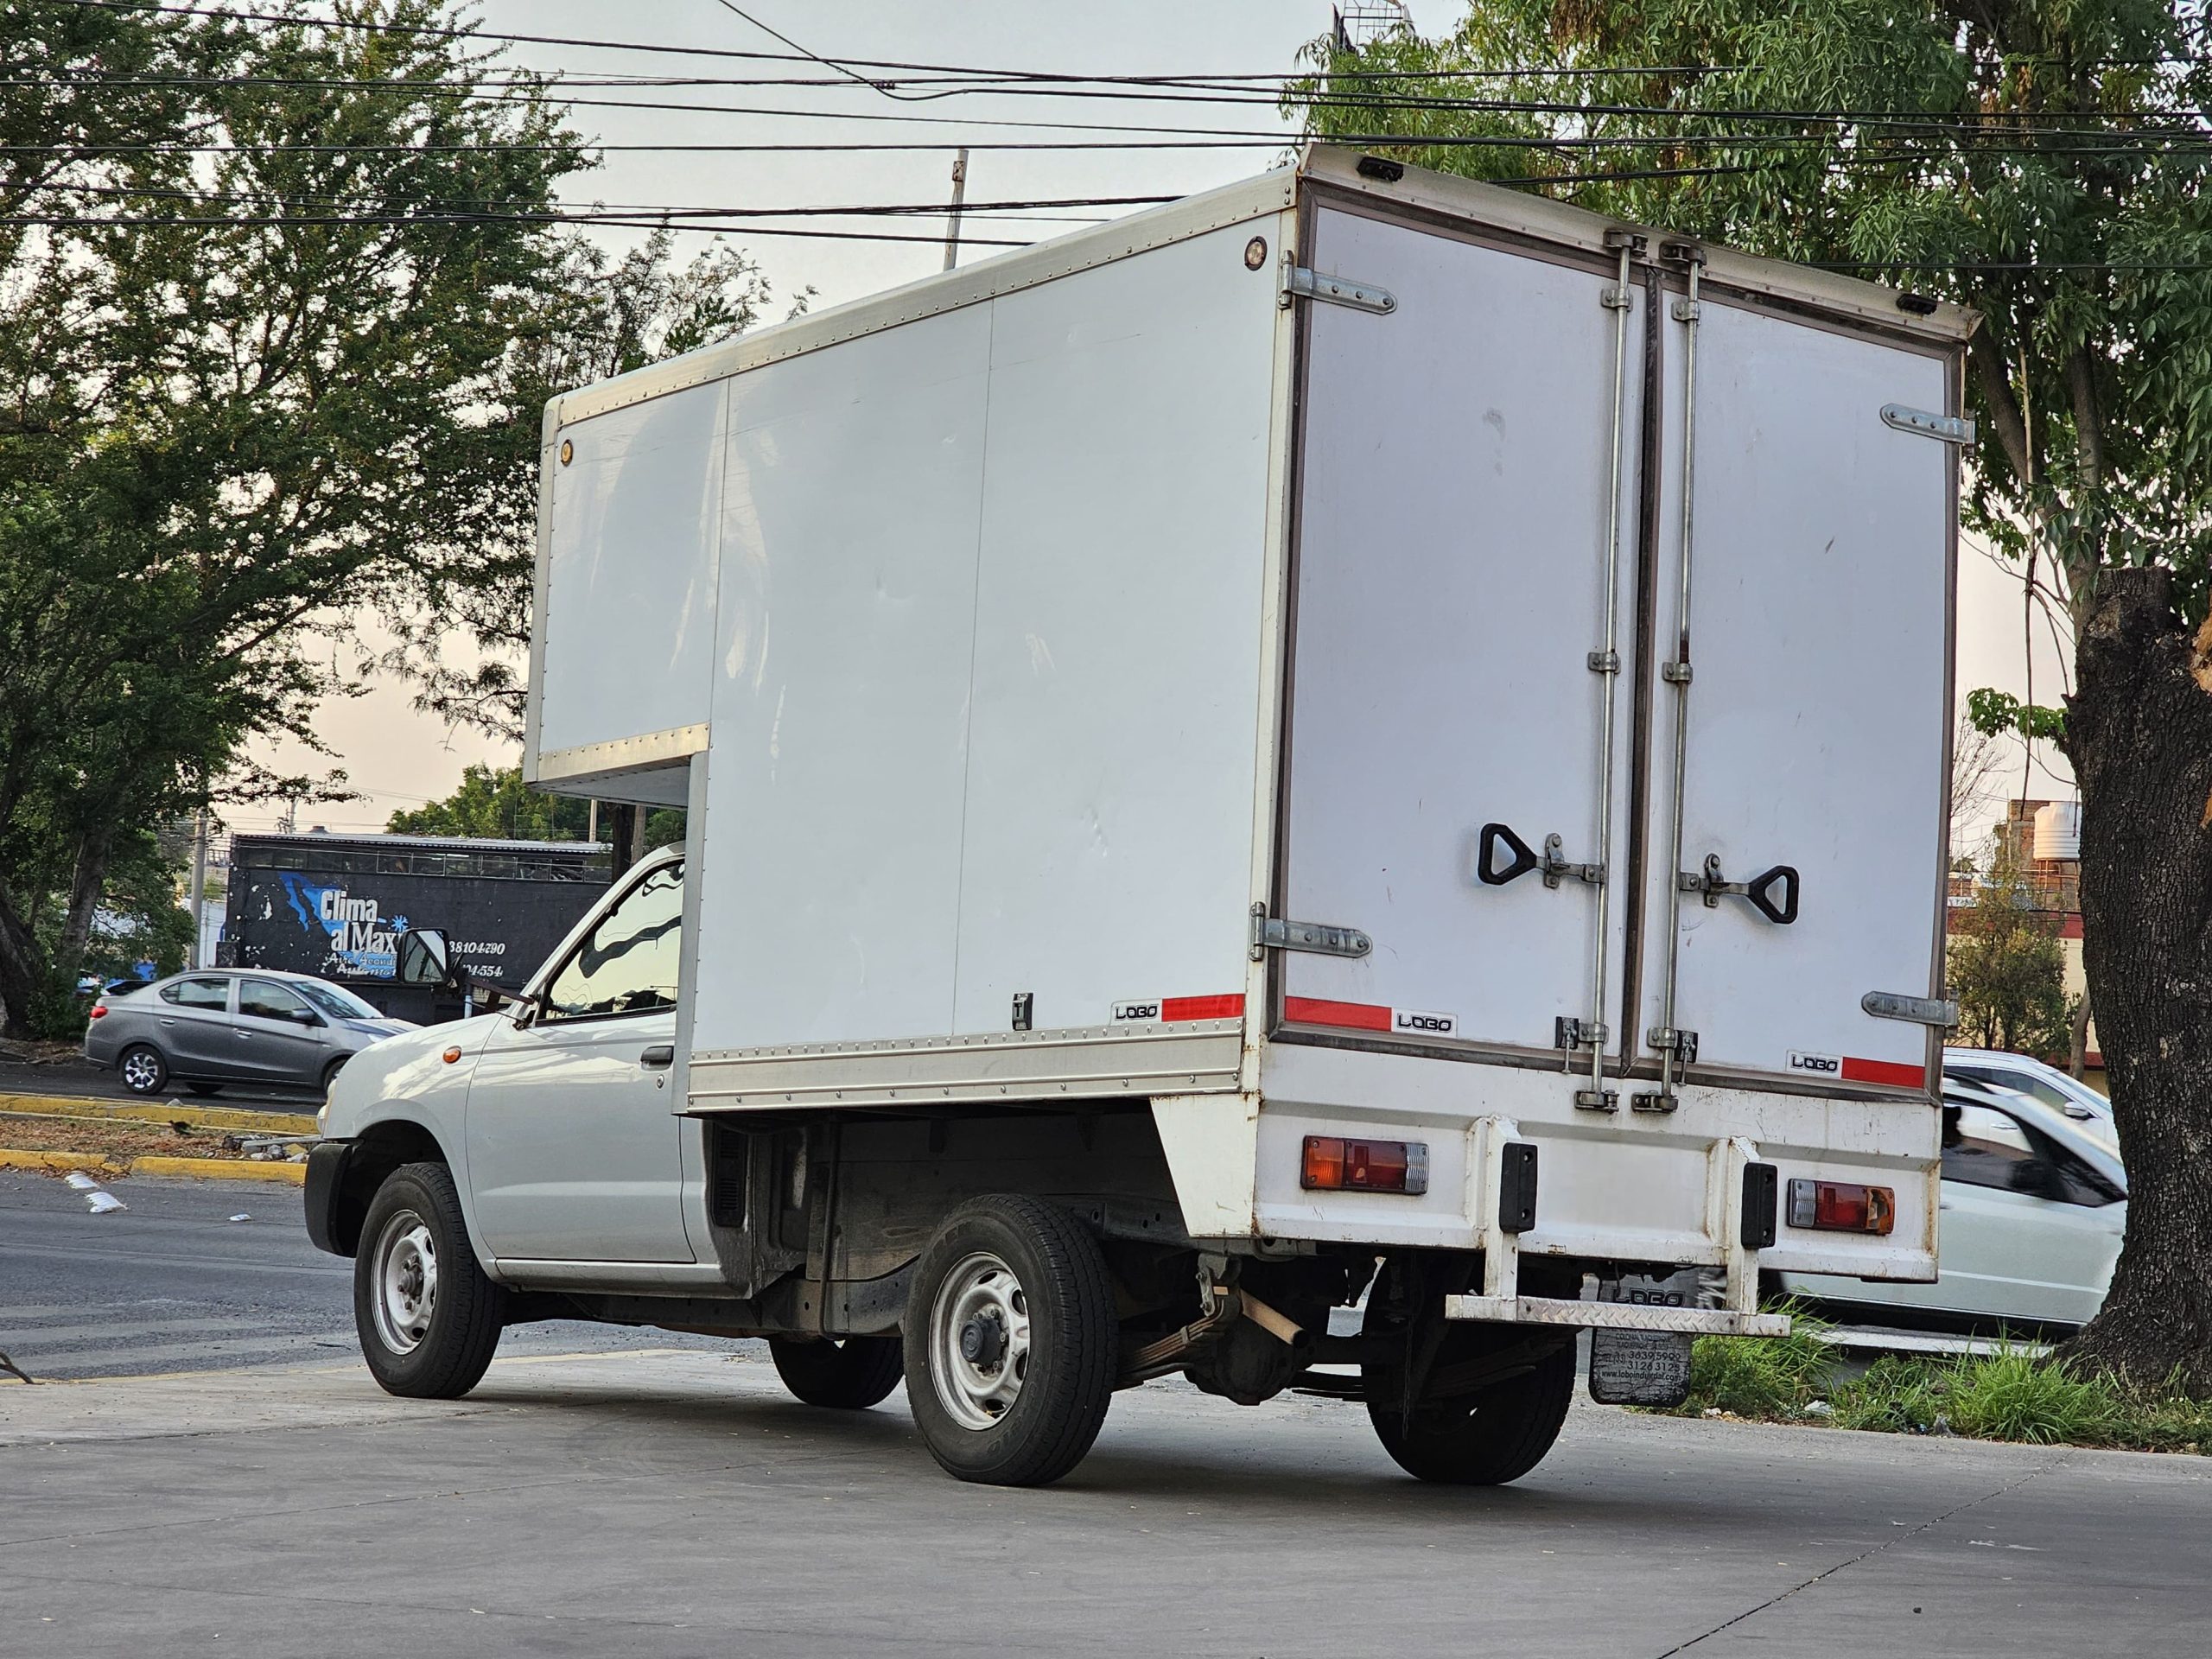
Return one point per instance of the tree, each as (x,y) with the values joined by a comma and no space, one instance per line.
(2043,163)
(492,802)
(265,360)
(2007,969)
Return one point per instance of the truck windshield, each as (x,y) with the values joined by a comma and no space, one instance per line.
(627,962)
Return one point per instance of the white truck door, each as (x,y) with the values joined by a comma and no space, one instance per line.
(573,1153)
(1818,702)
(1449,591)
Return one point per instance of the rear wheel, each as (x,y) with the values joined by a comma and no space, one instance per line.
(428,1317)
(143,1069)
(330,1072)
(1011,1341)
(1491,1398)
(850,1374)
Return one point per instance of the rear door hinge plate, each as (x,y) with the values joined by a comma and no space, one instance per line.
(1948,429)
(1274,933)
(1300,282)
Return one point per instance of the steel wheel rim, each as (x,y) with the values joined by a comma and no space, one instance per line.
(980,1299)
(405,1286)
(142,1073)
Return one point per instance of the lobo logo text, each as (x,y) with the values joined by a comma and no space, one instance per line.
(1135,1010)
(1421,1024)
(1818,1065)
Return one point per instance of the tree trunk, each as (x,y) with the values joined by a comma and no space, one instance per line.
(2077,1046)
(2138,731)
(20,970)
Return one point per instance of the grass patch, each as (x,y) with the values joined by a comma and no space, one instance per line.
(2006,1395)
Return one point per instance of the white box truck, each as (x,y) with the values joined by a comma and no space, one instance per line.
(1357,742)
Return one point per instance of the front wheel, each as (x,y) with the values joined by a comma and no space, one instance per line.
(330,1073)
(428,1317)
(850,1374)
(1011,1341)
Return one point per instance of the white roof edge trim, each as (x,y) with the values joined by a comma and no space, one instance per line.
(1018,268)
(1541,218)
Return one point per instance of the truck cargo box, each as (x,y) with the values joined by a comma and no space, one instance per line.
(1355,647)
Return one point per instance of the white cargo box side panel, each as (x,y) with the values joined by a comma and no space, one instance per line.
(1110,765)
(1449,576)
(628,590)
(1820,708)
(835,778)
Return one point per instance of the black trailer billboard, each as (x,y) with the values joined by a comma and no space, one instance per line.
(334,906)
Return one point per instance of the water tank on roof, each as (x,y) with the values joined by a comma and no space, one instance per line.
(2058,832)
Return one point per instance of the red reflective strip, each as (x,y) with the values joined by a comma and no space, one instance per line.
(1203,1007)
(1904,1077)
(1314,1011)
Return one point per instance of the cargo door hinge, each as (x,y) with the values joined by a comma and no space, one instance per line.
(1946,428)
(1274,933)
(1298,281)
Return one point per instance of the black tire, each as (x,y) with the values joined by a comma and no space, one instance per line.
(465,1311)
(141,1069)
(330,1072)
(203,1089)
(1486,1438)
(1065,1380)
(847,1376)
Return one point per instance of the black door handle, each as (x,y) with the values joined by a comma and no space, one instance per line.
(1486,868)
(658,1055)
(1758,890)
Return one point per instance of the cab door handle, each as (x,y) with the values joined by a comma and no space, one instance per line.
(658,1055)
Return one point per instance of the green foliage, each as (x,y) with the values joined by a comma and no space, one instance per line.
(1896,1396)
(2007,969)
(494,802)
(2040,162)
(2007,1395)
(1762,1377)
(280,307)
(1992,712)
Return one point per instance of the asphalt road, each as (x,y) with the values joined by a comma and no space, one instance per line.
(173,1283)
(79,1077)
(680,1503)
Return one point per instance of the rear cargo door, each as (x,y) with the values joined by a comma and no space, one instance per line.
(1449,589)
(1818,702)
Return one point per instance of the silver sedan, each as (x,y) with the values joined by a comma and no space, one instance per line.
(279,1030)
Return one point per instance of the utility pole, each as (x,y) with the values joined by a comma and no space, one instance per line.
(198,884)
(959,194)
(591,831)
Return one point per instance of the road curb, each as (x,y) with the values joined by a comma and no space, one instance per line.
(158,1114)
(198,1169)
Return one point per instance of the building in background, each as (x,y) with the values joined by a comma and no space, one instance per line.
(334,906)
(2042,841)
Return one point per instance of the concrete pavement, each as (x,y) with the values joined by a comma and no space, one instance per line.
(679,1503)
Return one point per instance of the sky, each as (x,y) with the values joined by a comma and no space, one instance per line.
(397,757)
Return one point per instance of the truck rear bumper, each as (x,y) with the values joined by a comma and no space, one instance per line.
(1617,1315)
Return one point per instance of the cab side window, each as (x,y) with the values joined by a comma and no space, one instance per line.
(627,962)
(213,994)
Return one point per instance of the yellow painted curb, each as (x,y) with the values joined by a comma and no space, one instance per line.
(201,1169)
(159,1116)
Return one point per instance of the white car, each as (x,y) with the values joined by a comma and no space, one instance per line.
(2034,1205)
(1995,1068)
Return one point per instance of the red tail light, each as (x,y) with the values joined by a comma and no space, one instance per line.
(100,1011)
(1331,1164)
(1842,1207)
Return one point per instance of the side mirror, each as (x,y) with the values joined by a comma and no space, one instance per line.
(424,957)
